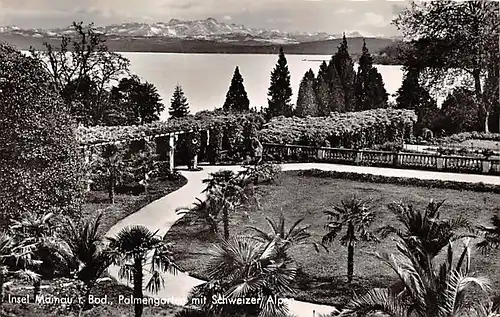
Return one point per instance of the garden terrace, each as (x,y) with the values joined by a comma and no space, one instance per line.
(349,130)
(446,163)
(298,194)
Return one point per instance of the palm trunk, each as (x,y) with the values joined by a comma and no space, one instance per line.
(111,190)
(350,262)
(87,305)
(350,253)
(138,295)
(2,281)
(225,219)
(36,289)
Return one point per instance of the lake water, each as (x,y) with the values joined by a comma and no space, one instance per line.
(205,78)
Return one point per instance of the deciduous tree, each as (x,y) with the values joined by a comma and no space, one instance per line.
(82,70)
(452,38)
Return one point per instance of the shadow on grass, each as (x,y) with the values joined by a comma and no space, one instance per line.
(336,290)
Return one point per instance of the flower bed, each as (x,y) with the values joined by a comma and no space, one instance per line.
(350,130)
(405,181)
(464,136)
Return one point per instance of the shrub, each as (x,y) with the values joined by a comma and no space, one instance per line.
(264,173)
(350,130)
(40,170)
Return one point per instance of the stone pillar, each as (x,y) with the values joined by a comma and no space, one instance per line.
(440,163)
(321,153)
(195,161)
(486,164)
(359,157)
(171,151)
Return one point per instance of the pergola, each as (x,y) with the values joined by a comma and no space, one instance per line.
(90,148)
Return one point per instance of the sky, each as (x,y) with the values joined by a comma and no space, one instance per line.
(369,17)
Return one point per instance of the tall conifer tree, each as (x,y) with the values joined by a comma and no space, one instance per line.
(345,69)
(307,104)
(179,106)
(280,90)
(369,87)
(236,97)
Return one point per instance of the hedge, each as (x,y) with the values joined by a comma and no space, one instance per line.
(405,181)
(350,130)
(464,136)
(201,121)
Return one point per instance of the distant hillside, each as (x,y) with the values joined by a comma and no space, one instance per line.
(176,45)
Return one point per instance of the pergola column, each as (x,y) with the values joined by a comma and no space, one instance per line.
(171,151)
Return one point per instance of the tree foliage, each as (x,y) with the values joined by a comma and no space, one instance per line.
(280,90)
(179,106)
(354,216)
(347,76)
(133,102)
(246,268)
(307,104)
(138,250)
(39,165)
(453,37)
(369,86)
(82,70)
(236,97)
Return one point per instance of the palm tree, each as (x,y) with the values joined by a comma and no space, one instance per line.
(204,211)
(491,234)
(245,268)
(424,232)
(137,248)
(285,239)
(355,216)
(112,166)
(228,188)
(51,254)
(437,292)
(15,262)
(91,257)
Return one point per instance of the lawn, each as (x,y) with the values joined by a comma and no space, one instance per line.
(97,201)
(322,276)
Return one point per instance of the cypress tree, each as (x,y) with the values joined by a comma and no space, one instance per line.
(369,86)
(411,94)
(236,97)
(329,91)
(345,69)
(280,90)
(307,104)
(179,106)
(336,91)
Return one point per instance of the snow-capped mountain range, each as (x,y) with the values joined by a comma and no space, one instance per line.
(209,29)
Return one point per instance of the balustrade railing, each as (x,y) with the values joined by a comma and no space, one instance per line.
(300,153)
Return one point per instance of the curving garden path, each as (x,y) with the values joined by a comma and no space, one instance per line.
(160,215)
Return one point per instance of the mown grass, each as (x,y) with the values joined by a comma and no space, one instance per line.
(322,275)
(96,202)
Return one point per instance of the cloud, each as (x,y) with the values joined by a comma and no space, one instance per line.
(373,19)
(344,11)
(227,18)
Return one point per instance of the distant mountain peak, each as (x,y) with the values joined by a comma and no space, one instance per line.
(208,29)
